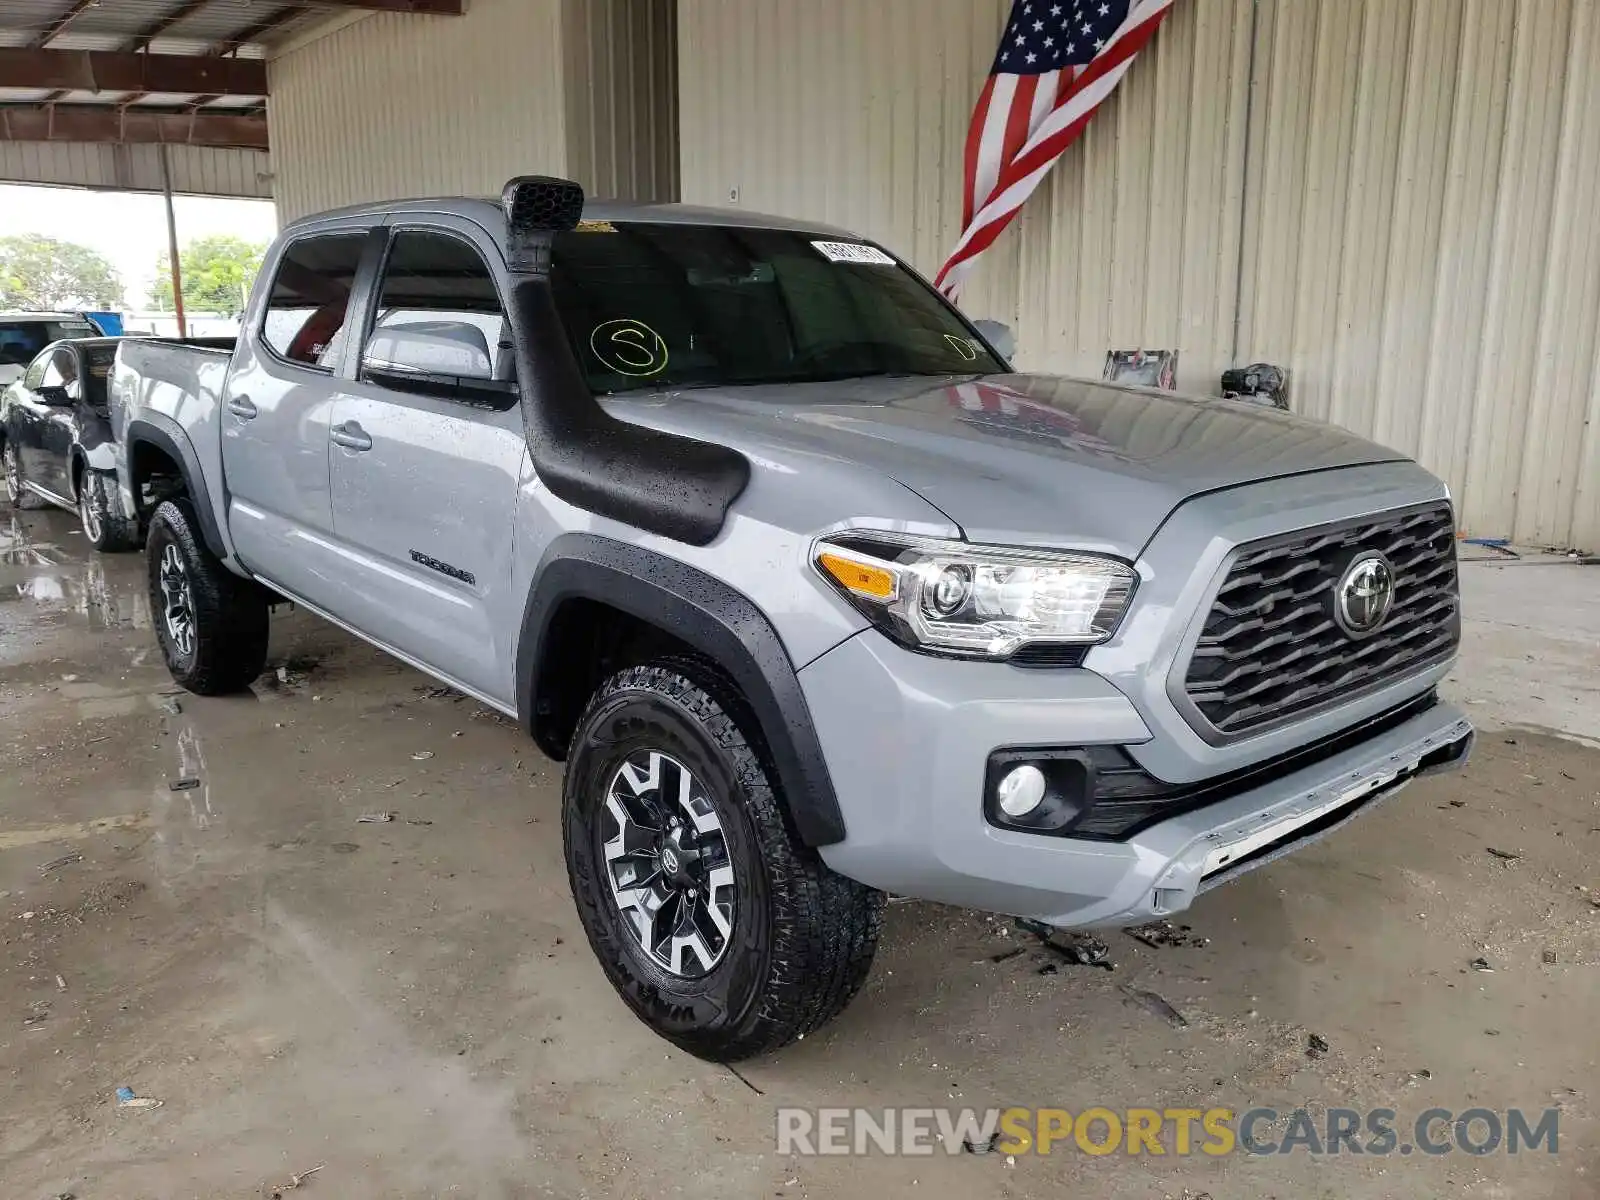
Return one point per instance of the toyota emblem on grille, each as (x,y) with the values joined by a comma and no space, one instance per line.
(1364,594)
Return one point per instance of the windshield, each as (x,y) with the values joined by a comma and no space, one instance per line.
(21,341)
(668,305)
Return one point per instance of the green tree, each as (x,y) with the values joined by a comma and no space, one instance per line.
(43,273)
(217,274)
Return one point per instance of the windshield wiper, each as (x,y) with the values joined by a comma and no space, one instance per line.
(829,377)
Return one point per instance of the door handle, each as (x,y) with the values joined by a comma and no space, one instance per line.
(243,408)
(351,436)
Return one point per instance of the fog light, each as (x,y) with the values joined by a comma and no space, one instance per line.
(1020,791)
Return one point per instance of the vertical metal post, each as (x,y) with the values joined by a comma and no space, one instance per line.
(172,242)
(1244,189)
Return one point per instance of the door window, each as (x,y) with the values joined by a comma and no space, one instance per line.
(438,325)
(308,310)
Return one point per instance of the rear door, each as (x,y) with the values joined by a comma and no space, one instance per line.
(428,445)
(289,368)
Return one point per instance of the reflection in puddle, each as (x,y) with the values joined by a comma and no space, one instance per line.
(41,572)
(42,589)
(192,765)
(18,549)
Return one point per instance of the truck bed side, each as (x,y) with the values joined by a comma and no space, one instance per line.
(166,406)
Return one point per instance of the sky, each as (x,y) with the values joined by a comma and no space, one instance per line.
(129,228)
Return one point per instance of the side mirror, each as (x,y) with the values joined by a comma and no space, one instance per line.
(998,334)
(54,395)
(437,358)
(432,347)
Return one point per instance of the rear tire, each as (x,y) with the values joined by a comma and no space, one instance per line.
(212,625)
(790,942)
(104,527)
(20,497)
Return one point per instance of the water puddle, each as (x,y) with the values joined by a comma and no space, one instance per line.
(38,571)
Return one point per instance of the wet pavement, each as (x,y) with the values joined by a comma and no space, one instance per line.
(189,908)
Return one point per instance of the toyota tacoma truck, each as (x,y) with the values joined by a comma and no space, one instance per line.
(814,595)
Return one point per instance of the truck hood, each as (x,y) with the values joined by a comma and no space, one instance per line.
(1020,459)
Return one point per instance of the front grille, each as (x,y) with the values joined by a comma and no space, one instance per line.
(1272,650)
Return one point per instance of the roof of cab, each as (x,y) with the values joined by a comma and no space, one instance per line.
(486,211)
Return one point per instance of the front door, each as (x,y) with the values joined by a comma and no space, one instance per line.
(40,420)
(427,449)
(289,369)
(54,462)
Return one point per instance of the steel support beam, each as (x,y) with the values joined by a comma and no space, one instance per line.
(438,8)
(114,71)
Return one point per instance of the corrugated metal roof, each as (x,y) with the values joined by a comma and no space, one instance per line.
(119,20)
(123,24)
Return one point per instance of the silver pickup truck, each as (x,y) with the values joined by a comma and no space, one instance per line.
(814,595)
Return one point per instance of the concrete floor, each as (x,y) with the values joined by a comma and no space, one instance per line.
(413,1006)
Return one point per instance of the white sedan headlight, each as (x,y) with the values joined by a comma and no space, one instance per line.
(979,601)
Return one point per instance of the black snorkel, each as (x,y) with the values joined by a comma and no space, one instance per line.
(663,483)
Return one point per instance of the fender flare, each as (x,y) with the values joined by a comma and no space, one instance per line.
(716,621)
(151,430)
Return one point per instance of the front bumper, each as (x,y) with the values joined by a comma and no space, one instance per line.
(907,739)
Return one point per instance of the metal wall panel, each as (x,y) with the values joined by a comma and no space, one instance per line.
(858,113)
(1133,239)
(196,170)
(1423,253)
(847,112)
(405,105)
(622,97)
(1392,198)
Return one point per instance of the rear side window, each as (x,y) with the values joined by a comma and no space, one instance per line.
(308,310)
(438,313)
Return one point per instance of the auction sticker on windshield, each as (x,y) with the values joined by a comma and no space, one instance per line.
(854,252)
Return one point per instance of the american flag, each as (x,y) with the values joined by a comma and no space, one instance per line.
(1057,61)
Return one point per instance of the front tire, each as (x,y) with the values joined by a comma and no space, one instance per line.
(106,529)
(717,927)
(212,625)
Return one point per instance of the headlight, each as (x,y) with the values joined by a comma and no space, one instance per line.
(980,601)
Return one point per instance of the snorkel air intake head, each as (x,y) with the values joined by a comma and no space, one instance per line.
(537,207)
